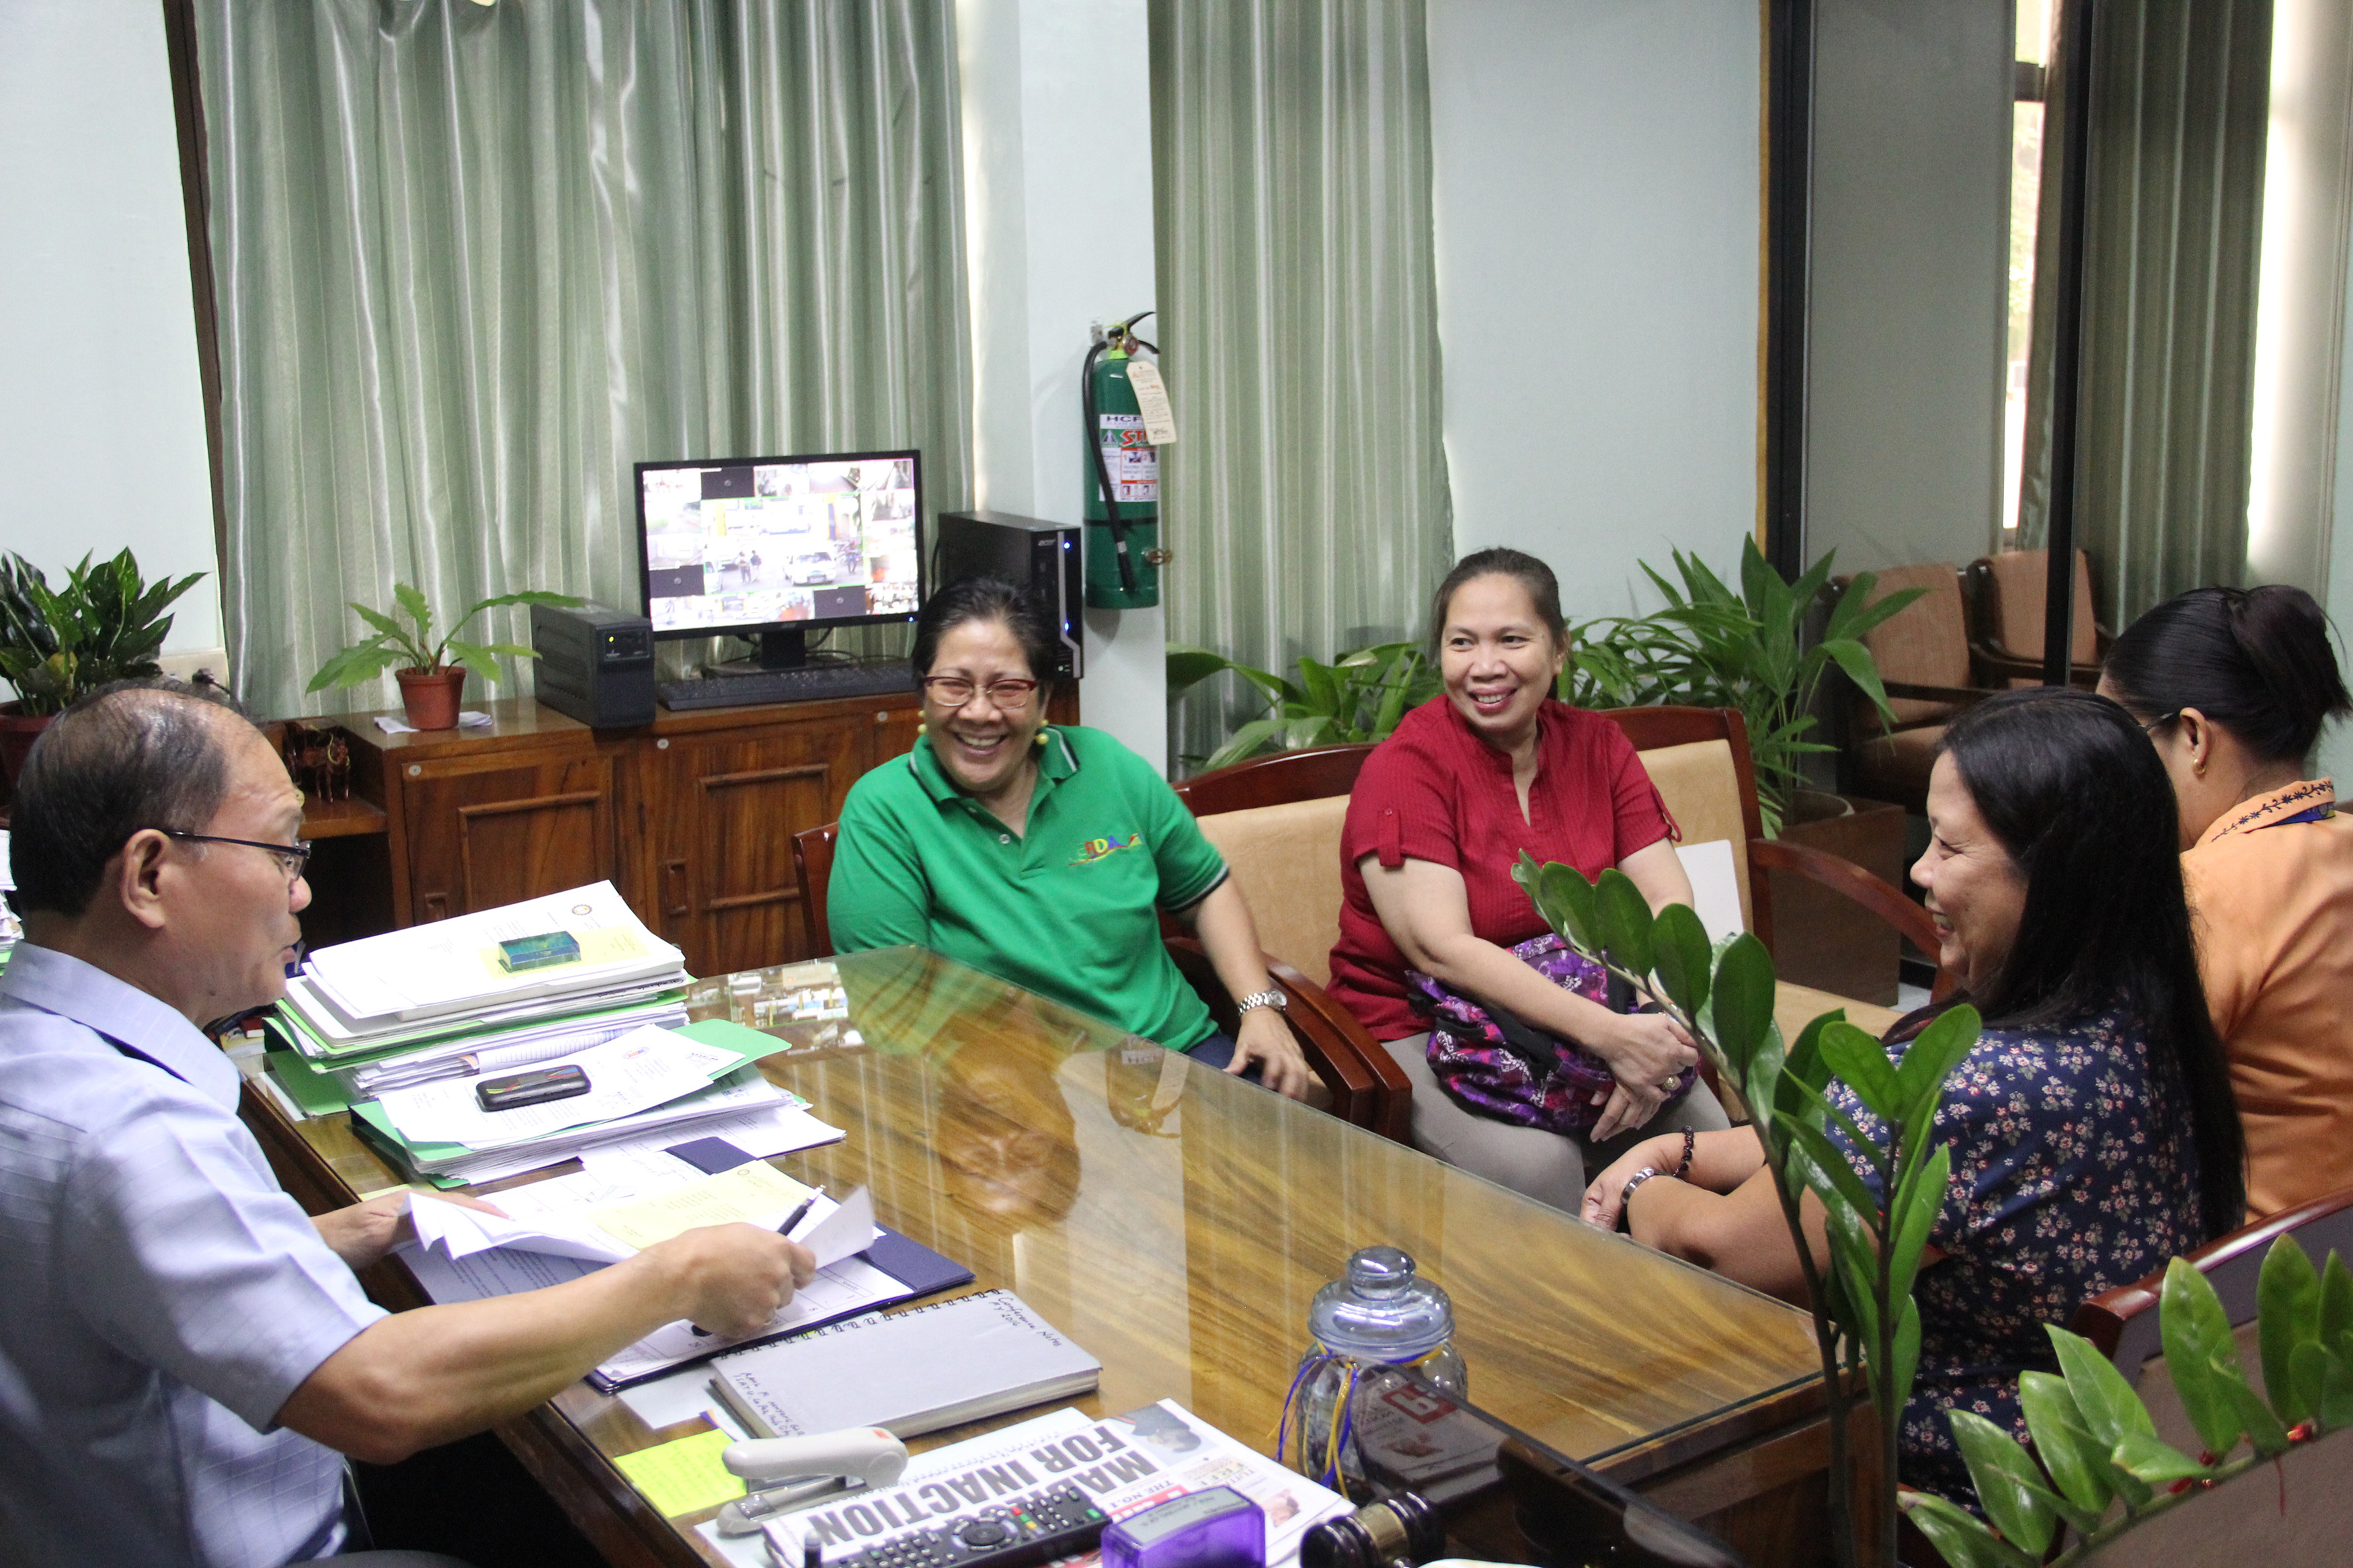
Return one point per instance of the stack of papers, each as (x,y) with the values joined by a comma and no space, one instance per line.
(649,1090)
(438,1000)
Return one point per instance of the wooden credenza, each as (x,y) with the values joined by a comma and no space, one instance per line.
(692,817)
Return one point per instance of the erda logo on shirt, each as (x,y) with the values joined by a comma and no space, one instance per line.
(1096,849)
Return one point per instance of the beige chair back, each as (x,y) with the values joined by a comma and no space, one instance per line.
(1286,861)
(1701,790)
(1926,643)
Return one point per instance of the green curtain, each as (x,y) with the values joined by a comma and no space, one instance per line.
(1305,499)
(473,262)
(2179,116)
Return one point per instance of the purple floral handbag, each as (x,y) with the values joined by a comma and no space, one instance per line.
(1470,1058)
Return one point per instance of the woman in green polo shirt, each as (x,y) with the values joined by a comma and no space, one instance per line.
(1045,855)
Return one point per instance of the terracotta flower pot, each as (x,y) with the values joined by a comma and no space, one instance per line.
(18,731)
(429,697)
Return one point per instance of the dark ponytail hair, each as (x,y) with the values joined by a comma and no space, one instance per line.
(985,599)
(2068,783)
(1544,589)
(2256,661)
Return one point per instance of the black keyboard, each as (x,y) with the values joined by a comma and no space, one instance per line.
(808,683)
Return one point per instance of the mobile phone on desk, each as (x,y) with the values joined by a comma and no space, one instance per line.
(536,1087)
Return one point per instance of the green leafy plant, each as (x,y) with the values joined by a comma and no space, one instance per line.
(2104,1472)
(1712,648)
(1360,696)
(106,624)
(410,645)
(1723,993)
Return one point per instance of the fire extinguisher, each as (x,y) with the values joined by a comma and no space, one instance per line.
(1123,556)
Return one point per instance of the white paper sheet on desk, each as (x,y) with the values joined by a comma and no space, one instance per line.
(643,1068)
(461,1232)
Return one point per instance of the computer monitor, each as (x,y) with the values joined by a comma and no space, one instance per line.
(775,548)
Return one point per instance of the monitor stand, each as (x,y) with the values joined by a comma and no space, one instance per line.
(784,649)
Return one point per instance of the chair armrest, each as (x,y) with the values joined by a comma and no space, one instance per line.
(1851,882)
(1993,663)
(1324,1025)
(1360,1075)
(1958,696)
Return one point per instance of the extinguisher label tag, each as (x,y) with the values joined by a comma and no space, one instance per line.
(1128,453)
(1152,398)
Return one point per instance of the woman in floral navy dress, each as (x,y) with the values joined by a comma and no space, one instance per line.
(2092,1130)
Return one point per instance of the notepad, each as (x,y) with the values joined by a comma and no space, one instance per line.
(912,1372)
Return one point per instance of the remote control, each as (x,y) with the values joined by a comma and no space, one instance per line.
(1038,1529)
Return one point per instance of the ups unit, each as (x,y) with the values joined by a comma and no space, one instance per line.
(1029,552)
(596,664)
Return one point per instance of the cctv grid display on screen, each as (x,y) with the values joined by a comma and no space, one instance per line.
(779,542)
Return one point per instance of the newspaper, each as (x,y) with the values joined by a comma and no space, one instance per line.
(1126,1463)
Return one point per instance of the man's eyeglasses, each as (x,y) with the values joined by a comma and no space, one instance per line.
(293,857)
(953,691)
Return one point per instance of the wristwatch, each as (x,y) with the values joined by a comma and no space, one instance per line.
(1274,999)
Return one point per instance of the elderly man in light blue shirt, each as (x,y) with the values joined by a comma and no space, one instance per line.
(184,1356)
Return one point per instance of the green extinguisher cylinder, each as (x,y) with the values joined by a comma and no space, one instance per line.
(1117,579)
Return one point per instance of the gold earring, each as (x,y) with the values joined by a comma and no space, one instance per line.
(919,726)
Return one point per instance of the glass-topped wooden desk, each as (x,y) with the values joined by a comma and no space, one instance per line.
(1176,1222)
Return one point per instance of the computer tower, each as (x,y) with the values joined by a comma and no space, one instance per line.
(596,663)
(1030,552)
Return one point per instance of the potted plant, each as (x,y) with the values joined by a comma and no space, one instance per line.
(428,684)
(1360,696)
(106,624)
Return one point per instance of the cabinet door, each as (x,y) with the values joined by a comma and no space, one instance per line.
(491,831)
(725,807)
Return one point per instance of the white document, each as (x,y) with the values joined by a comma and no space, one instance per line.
(1716,885)
(461,1232)
(843,1289)
(642,1069)
(449,966)
(835,1231)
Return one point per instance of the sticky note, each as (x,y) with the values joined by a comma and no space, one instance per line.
(751,1192)
(684,1475)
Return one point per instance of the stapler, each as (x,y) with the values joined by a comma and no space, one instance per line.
(790,1473)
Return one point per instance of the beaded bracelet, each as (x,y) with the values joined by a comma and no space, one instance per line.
(1691,1141)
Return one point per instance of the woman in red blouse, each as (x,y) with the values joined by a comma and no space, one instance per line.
(1431,916)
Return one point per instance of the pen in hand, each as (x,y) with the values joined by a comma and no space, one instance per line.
(785,1230)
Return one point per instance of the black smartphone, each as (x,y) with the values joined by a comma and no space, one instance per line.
(536,1087)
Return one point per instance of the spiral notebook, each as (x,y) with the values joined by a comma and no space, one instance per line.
(912,1372)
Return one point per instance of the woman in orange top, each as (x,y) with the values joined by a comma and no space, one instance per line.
(2232,687)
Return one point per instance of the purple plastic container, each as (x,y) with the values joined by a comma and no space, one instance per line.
(1216,1527)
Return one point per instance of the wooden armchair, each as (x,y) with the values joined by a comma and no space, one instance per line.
(1345,1061)
(2008,593)
(1922,654)
(1277,820)
(2245,1521)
